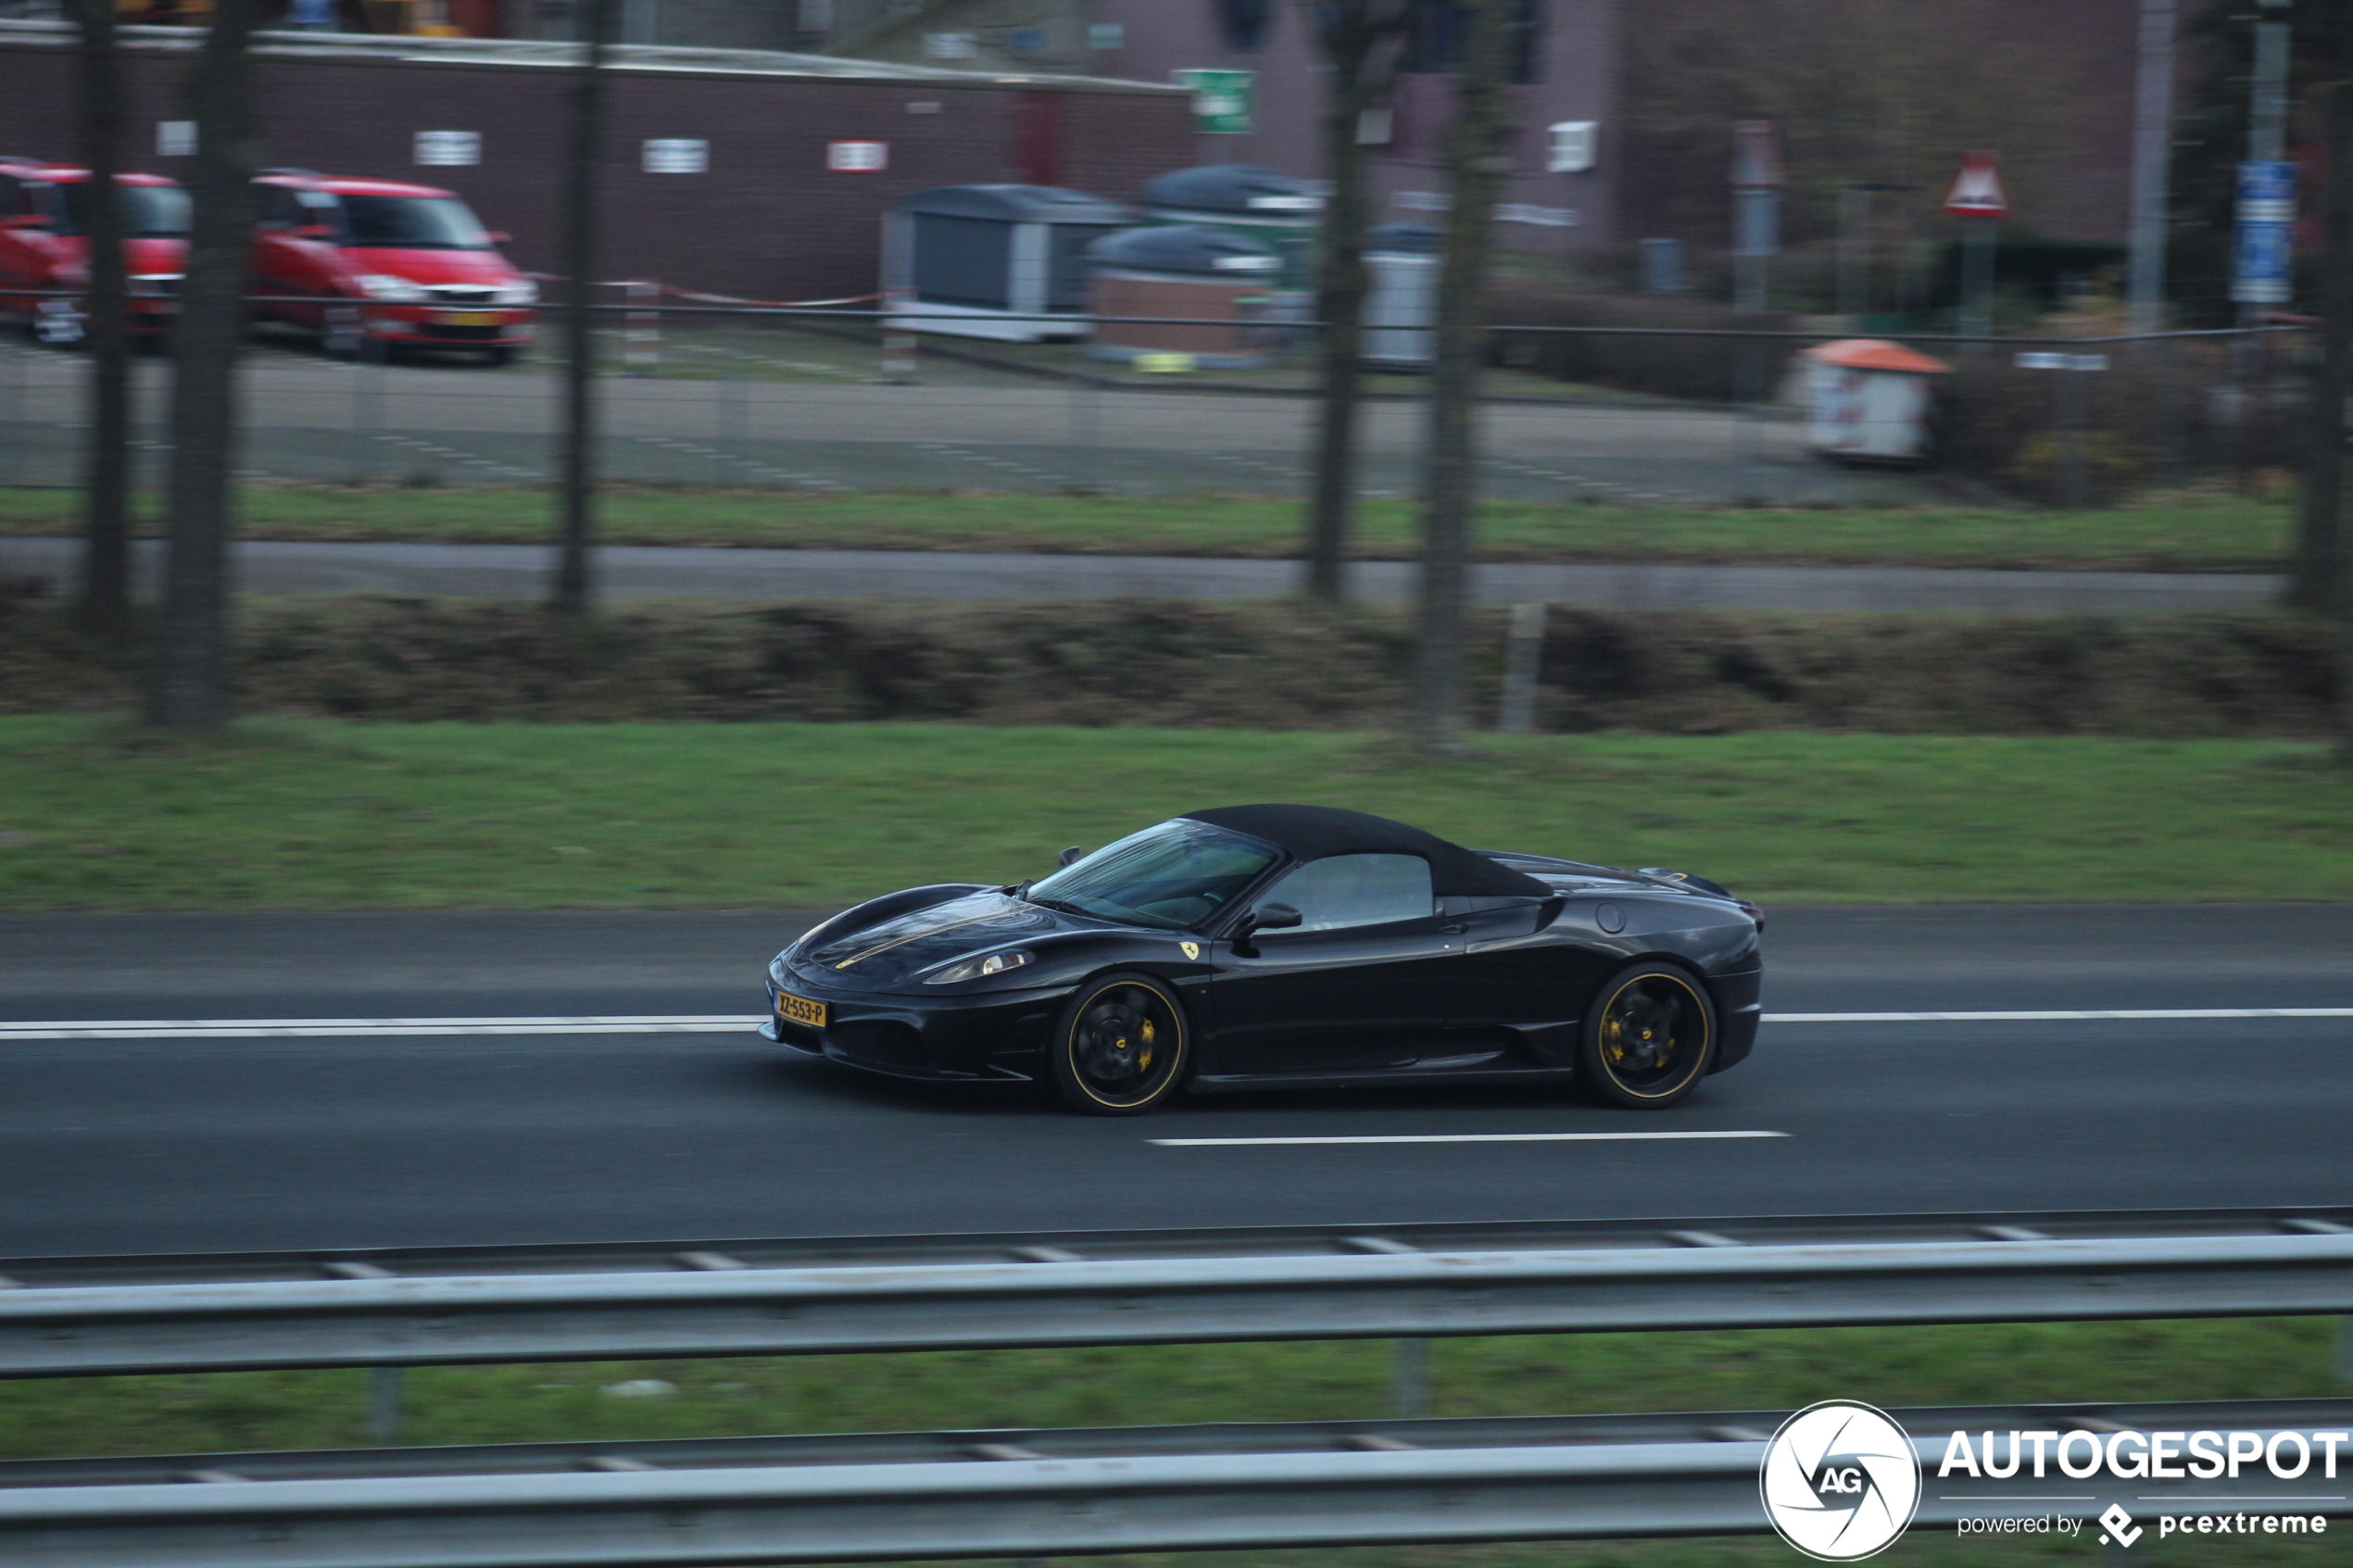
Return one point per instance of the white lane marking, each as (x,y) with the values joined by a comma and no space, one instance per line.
(321,1028)
(2053,1015)
(1461,1138)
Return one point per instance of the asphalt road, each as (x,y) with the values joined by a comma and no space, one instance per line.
(314,419)
(148,1144)
(524,572)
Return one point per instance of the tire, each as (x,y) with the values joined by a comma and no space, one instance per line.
(1649,1037)
(1121,1045)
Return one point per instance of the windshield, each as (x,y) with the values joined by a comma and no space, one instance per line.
(1176,875)
(149,212)
(412,223)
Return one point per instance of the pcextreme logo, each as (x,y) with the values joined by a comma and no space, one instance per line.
(1839,1481)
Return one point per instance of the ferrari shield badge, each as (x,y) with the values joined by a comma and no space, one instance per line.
(1190,949)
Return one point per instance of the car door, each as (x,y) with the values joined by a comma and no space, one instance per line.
(284,265)
(1365,981)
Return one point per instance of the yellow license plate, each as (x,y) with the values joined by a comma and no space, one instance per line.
(467,319)
(800,1009)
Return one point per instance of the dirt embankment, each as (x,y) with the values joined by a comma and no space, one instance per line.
(1259,666)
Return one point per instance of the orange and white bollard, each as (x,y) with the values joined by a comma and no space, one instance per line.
(641,351)
(898,338)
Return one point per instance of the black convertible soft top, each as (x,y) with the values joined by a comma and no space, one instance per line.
(1310,832)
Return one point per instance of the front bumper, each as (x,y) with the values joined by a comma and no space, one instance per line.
(973,1035)
(443,326)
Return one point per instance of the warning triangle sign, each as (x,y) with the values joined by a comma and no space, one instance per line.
(1977,191)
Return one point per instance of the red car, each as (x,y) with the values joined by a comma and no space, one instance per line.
(44,246)
(402,265)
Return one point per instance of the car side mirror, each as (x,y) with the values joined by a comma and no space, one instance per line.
(1072,855)
(1272,917)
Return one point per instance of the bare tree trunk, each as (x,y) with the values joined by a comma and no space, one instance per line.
(2314,582)
(575,585)
(190,689)
(1476,163)
(104,602)
(1353,34)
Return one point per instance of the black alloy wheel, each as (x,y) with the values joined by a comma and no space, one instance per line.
(1120,1046)
(1648,1038)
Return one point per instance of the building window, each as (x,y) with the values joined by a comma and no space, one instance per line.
(1434,39)
(1243,23)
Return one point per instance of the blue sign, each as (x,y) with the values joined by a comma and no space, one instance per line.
(2263,259)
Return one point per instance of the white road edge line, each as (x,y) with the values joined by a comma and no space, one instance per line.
(1461,1138)
(709,1023)
(2054,1015)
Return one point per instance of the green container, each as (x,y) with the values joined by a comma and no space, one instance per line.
(1281,213)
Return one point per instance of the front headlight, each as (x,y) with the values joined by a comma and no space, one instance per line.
(383,285)
(976,969)
(524,293)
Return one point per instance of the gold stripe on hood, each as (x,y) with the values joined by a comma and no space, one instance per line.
(917,935)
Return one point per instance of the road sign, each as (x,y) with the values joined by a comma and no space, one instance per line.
(2263,254)
(1221,99)
(1977,191)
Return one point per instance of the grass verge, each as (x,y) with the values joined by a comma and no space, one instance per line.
(2190,534)
(1330,1381)
(301,814)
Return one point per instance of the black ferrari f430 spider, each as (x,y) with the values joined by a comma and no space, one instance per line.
(1272,945)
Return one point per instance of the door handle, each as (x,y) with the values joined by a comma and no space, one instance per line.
(1453,930)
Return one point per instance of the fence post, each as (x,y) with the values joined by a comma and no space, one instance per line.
(1522,659)
(2073,398)
(734,390)
(642,350)
(367,403)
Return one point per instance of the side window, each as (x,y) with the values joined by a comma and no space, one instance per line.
(283,211)
(12,202)
(1344,890)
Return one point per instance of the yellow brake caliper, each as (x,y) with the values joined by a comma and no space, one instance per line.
(1144,1057)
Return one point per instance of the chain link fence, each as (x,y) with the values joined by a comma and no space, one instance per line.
(827,401)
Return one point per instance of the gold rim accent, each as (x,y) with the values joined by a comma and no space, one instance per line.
(1613,1044)
(1148,1032)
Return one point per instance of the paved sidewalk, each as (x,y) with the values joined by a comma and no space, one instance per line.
(644,571)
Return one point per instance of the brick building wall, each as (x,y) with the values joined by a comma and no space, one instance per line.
(767,222)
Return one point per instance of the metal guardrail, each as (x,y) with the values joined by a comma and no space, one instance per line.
(1023,1493)
(1394,1282)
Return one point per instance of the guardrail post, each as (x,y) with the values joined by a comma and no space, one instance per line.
(384,1391)
(1413,1379)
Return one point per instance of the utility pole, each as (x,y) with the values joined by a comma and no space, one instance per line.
(574,585)
(2152,166)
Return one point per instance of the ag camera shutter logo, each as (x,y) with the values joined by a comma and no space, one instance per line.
(1839,1481)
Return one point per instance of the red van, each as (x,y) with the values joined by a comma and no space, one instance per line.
(403,265)
(44,245)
